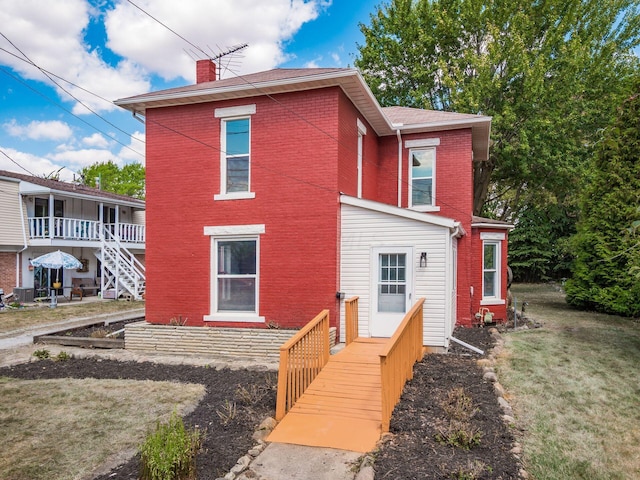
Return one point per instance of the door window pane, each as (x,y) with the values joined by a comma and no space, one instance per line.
(392,283)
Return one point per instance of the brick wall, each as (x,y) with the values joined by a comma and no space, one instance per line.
(7,271)
(294,177)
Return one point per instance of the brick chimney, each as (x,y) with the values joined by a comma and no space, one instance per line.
(205,71)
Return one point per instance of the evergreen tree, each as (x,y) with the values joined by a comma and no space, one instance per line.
(606,247)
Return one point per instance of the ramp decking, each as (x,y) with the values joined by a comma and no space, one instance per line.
(342,407)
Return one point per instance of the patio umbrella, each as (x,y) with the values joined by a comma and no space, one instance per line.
(56,260)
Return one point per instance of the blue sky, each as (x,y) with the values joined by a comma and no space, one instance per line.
(112,49)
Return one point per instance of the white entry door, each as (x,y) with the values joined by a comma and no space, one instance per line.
(391,288)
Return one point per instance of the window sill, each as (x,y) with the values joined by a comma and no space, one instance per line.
(492,301)
(234,196)
(234,317)
(425,208)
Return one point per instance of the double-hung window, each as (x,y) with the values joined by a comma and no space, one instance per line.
(422,177)
(235,152)
(235,269)
(491,268)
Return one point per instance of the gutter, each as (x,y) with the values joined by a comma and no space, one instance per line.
(399,135)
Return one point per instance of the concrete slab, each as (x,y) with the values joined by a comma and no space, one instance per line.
(280,460)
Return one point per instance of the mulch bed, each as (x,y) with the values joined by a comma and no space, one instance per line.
(410,452)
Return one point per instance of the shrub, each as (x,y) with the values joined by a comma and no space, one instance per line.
(63,357)
(169,452)
(457,431)
(42,354)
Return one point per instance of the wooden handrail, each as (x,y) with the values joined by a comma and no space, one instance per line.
(301,359)
(397,360)
(351,319)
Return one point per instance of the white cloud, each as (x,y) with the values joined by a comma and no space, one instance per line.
(313,63)
(77,159)
(134,151)
(32,164)
(51,35)
(49,130)
(212,26)
(95,140)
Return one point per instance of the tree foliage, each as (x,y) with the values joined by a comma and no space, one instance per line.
(549,73)
(128,180)
(606,246)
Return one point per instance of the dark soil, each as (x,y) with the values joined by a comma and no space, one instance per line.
(99,330)
(410,452)
(413,451)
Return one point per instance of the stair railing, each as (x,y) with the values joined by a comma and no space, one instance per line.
(127,266)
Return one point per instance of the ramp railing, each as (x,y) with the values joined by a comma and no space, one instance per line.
(396,361)
(301,359)
(351,319)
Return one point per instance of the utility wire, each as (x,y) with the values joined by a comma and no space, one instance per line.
(12,160)
(50,77)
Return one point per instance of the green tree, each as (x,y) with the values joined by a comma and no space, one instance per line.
(128,180)
(549,73)
(606,245)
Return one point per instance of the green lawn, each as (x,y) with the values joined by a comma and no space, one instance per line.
(575,388)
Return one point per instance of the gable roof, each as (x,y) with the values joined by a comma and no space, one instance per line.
(37,185)
(385,121)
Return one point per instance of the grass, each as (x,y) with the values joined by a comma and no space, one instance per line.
(575,385)
(28,317)
(61,429)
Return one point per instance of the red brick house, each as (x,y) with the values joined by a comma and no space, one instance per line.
(274,195)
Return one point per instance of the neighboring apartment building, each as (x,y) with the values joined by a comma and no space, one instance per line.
(105,231)
(275,195)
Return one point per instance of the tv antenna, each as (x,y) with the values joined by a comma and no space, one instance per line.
(229,52)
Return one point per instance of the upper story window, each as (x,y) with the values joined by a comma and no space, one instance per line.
(235,152)
(422,173)
(422,186)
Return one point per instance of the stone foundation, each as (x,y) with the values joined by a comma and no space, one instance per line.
(241,343)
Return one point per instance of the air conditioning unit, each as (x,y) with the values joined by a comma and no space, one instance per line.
(23,295)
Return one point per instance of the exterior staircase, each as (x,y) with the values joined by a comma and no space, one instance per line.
(122,272)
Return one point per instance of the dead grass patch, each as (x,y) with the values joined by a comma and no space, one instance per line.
(575,385)
(68,428)
(23,318)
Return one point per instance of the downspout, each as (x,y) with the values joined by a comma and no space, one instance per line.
(24,238)
(399,167)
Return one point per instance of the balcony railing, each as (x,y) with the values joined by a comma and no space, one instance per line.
(79,229)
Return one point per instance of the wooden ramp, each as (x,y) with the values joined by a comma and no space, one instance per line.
(342,407)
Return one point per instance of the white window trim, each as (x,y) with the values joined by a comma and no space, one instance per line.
(494,300)
(422,142)
(232,232)
(227,114)
(424,208)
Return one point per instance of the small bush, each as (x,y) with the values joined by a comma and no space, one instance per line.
(169,452)
(458,431)
(42,354)
(178,321)
(228,412)
(62,357)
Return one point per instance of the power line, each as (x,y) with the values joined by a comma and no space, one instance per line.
(17,79)
(44,72)
(12,160)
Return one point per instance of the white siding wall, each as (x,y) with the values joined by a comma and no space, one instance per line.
(11,230)
(362,229)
